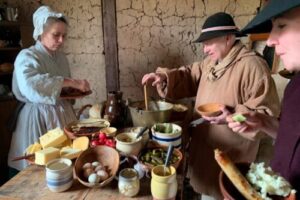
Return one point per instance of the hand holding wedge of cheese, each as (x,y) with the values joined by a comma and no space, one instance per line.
(55,144)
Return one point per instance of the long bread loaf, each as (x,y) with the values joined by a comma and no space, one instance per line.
(235,176)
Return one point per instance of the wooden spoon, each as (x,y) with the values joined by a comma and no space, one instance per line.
(145,96)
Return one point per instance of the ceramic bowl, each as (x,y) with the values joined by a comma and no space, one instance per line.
(107,156)
(145,136)
(128,144)
(209,109)
(230,192)
(171,137)
(147,166)
(109,131)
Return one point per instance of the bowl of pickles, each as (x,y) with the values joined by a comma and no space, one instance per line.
(151,157)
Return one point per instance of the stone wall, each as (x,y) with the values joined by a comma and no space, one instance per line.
(151,33)
(161,33)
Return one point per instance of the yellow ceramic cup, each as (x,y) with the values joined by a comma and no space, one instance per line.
(163,185)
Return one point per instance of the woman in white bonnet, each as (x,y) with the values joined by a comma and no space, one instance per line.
(41,73)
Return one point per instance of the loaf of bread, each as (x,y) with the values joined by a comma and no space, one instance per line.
(235,176)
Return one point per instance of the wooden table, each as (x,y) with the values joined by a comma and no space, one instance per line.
(30,184)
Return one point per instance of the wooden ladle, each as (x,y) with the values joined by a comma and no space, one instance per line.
(145,96)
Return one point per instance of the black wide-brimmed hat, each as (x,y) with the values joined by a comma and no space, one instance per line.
(262,22)
(217,25)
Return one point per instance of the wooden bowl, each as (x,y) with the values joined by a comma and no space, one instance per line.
(230,192)
(148,167)
(107,156)
(210,109)
(85,127)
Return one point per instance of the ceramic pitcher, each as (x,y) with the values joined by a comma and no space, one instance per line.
(114,109)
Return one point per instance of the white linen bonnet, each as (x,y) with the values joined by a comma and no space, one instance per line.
(40,17)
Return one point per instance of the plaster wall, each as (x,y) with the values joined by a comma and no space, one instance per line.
(154,33)
(84,43)
(151,33)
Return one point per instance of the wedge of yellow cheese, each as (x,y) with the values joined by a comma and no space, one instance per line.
(67,143)
(33,148)
(45,155)
(53,138)
(81,143)
(69,153)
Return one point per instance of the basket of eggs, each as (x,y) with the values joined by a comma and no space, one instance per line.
(96,167)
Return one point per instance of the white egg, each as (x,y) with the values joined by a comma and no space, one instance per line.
(87,165)
(95,164)
(99,167)
(87,172)
(102,174)
(93,178)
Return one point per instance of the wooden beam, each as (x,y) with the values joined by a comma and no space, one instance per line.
(109,24)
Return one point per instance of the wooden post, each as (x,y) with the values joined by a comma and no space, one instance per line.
(109,24)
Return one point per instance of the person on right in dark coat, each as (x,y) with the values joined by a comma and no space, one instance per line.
(282,19)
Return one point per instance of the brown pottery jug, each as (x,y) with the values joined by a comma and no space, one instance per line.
(115,108)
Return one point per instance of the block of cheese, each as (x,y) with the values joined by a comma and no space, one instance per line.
(53,138)
(67,143)
(45,155)
(81,143)
(69,153)
(33,148)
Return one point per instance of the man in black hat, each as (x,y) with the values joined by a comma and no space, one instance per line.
(282,18)
(231,75)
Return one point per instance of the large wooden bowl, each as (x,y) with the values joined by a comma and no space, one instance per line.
(230,192)
(107,156)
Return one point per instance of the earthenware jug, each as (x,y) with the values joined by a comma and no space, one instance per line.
(115,108)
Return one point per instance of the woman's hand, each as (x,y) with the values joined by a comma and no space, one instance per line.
(252,123)
(255,122)
(155,78)
(220,119)
(82,85)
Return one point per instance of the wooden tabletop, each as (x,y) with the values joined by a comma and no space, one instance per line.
(30,184)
